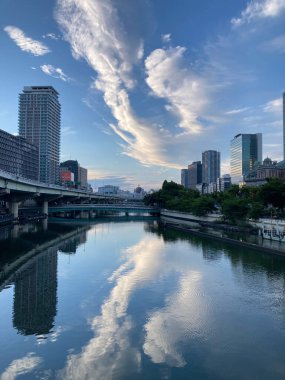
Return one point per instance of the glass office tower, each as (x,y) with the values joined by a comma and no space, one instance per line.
(246,150)
(211,166)
(39,123)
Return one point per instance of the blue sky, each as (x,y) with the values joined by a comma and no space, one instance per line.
(147,85)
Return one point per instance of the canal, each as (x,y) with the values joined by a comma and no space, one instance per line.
(134,300)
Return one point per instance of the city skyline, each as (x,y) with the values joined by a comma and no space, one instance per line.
(145,90)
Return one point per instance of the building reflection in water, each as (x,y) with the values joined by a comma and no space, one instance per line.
(35,297)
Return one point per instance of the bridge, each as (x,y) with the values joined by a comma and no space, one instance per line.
(15,189)
(127,208)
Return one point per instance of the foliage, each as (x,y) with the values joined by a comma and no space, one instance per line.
(236,203)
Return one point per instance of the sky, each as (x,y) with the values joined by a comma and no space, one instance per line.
(147,85)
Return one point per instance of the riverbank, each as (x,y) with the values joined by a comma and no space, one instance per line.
(203,227)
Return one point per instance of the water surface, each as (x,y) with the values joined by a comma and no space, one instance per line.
(132,300)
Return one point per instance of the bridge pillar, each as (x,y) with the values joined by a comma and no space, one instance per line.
(84,214)
(14,208)
(45,224)
(15,231)
(45,207)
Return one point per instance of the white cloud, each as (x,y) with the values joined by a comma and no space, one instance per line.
(236,111)
(258,9)
(25,43)
(20,367)
(55,72)
(112,53)
(166,37)
(111,348)
(169,78)
(67,131)
(273,106)
(52,36)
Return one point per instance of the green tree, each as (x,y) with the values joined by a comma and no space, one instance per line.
(235,209)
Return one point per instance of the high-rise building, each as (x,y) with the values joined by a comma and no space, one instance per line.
(83,177)
(246,150)
(18,156)
(283,125)
(194,174)
(39,123)
(211,169)
(184,177)
(35,297)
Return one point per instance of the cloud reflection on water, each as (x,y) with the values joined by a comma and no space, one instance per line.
(112,350)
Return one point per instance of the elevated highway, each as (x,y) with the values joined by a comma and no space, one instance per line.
(15,189)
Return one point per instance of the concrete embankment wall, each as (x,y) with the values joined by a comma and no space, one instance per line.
(188,219)
(192,224)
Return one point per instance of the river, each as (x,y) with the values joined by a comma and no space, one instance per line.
(134,300)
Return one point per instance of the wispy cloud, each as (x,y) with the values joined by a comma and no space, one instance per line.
(20,367)
(25,43)
(258,9)
(276,44)
(67,131)
(112,53)
(52,36)
(166,37)
(55,72)
(274,106)
(169,78)
(236,111)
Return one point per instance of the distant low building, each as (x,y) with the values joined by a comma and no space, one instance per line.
(108,190)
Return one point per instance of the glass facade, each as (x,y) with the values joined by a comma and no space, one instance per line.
(211,166)
(194,174)
(246,150)
(184,177)
(39,123)
(18,156)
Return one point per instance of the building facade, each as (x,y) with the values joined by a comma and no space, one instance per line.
(194,174)
(80,173)
(184,178)
(246,150)
(82,178)
(39,123)
(268,169)
(283,125)
(211,169)
(224,182)
(18,156)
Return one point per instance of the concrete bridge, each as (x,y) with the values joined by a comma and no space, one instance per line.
(15,189)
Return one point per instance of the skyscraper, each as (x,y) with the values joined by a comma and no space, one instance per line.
(184,177)
(283,125)
(39,123)
(211,169)
(246,150)
(194,174)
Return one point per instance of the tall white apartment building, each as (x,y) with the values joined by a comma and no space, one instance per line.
(39,123)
